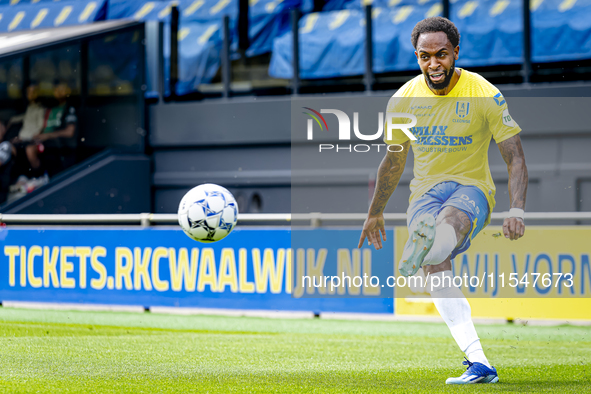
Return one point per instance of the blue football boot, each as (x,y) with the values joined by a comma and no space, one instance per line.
(476,373)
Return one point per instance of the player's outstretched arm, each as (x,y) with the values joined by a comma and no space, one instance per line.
(512,153)
(389,174)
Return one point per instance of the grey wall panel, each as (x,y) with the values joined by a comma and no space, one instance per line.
(115,124)
(221,122)
(115,184)
(568,89)
(585,195)
(246,121)
(228,166)
(344,199)
(255,154)
(272,199)
(550,115)
(259,177)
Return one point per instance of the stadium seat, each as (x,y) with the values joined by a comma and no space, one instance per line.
(113,64)
(200,45)
(200,33)
(332,43)
(42,15)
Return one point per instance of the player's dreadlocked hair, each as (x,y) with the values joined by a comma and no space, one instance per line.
(435,24)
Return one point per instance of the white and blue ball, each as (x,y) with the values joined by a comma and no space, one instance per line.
(208,213)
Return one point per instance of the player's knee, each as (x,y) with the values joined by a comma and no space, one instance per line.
(464,224)
(458,220)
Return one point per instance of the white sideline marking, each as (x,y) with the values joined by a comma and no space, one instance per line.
(277,314)
(552,322)
(232,312)
(358,316)
(72,307)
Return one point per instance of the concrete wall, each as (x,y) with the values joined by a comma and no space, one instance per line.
(107,183)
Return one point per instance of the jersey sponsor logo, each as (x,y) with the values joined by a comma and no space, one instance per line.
(435,135)
(499,99)
(462,108)
(507,119)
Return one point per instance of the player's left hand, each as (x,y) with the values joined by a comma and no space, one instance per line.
(373,226)
(513,228)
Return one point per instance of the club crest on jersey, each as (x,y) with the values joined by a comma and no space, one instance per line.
(462,108)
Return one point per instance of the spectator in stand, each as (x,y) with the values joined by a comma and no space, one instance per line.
(16,135)
(58,138)
(31,122)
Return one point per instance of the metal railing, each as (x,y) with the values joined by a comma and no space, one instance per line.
(314,219)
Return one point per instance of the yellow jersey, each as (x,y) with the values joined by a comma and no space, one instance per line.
(453,132)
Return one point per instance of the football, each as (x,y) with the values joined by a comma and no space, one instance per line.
(208,213)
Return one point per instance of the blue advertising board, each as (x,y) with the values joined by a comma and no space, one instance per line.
(258,269)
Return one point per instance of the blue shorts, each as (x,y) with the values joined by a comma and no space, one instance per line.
(468,199)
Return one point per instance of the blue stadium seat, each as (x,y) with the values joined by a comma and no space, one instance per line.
(200,34)
(113,64)
(491,31)
(561,30)
(200,44)
(28,16)
(332,43)
(268,18)
(190,10)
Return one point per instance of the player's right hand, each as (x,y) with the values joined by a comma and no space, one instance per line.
(373,226)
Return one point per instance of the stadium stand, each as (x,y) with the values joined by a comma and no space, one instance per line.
(491,35)
(44,14)
(200,34)
(334,38)
(103,64)
(336,41)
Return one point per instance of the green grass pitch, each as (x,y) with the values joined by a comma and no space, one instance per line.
(58,351)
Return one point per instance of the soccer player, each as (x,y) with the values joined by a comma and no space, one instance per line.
(457,112)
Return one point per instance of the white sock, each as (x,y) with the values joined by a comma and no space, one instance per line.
(455,311)
(476,355)
(445,242)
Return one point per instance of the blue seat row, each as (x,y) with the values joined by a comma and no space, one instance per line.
(332,43)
